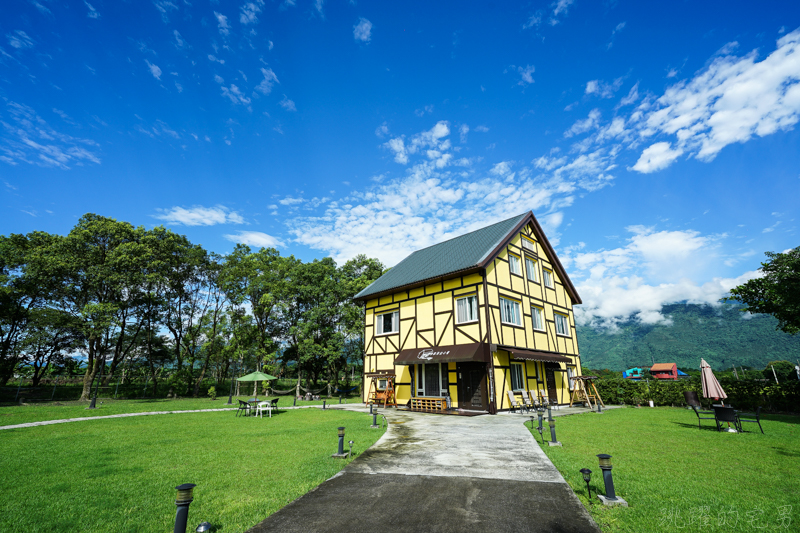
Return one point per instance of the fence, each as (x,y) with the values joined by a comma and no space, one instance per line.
(741,394)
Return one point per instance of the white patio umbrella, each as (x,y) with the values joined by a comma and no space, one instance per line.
(711,387)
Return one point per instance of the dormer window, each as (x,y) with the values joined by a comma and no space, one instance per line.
(528,244)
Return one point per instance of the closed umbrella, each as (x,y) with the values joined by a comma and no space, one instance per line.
(711,387)
(257,376)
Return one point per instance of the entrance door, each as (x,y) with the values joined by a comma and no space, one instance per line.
(432,380)
(552,391)
(472,386)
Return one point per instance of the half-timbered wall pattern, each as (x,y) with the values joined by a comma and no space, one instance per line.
(428,318)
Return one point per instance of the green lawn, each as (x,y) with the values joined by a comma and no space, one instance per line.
(678,478)
(119,474)
(35,412)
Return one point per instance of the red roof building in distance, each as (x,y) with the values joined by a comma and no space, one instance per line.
(664,371)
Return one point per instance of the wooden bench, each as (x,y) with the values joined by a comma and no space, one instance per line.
(429,405)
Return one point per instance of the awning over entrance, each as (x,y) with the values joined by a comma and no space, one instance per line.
(444,354)
(537,356)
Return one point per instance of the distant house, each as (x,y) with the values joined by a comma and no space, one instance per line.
(634,373)
(664,371)
(472,318)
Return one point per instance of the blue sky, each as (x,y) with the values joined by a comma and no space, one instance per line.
(656,143)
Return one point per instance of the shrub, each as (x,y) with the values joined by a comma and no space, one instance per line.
(212,392)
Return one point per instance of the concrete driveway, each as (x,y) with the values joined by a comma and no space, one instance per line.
(436,473)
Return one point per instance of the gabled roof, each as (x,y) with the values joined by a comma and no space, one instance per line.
(663,367)
(471,252)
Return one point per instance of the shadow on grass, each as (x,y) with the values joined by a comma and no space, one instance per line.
(694,426)
(787,453)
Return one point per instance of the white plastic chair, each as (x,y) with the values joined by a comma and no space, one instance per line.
(263,406)
(526,401)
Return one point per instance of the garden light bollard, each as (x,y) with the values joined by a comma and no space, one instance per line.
(553,440)
(541,436)
(341,441)
(599,408)
(203,527)
(370,408)
(351,448)
(611,497)
(323,403)
(182,501)
(540,412)
(294,401)
(340,400)
(587,476)
(549,413)
(374,419)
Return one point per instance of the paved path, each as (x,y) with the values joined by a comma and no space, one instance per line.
(434,473)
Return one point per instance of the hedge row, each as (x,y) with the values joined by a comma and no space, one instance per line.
(741,394)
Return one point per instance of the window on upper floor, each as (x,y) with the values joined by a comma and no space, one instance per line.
(513,264)
(510,312)
(548,277)
(388,323)
(466,309)
(528,244)
(537,318)
(530,269)
(562,324)
(517,376)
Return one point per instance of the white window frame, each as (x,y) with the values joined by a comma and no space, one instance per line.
(517,368)
(530,268)
(514,264)
(562,324)
(528,244)
(548,277)
(506,305)
(537,318)
(395,323)
(443,392)
(470,310)
(571,378)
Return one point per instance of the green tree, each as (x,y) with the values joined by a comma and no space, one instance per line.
(777,292)
(784,370)
(25,287)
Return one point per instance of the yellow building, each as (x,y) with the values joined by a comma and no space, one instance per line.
(465,321)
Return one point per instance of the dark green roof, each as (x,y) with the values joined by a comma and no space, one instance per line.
(448,257)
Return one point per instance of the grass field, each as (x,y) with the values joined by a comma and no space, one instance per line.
(35,412)
(678,478)
(119,474)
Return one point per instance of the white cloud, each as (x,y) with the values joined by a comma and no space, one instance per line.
(526,75)
(318,6)
(615,31)
(533,21)
(199,216)
(426,141)
(165,7)
(179,42)
(603,89)
(214,58)
(482,129)
(92,14)
(463,130)
(287,104)
(363,30)
(428,109)
(25,137)
(653,269)
(222,24)
(730,101)
(657,157)
(249,12)
(255,238)
(235,95)
(560,7)
(582,126)
(632,96)
(19,40)
(219,79)
(270,79)
(154,70)
(382,130)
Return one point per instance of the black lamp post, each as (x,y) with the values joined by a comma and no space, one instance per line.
(539,429)
(587,476)
(611,497)
(341,441)
(553,440)
(230,394)
(323,404)
(599,408)
(370,410)
(182,501)
(374,418)
(294,401)
(540,412)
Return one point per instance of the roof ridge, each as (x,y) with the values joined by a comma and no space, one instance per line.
(464,235)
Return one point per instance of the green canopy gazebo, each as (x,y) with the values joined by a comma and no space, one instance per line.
(256,376)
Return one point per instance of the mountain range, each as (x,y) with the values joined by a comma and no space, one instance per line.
(722,335)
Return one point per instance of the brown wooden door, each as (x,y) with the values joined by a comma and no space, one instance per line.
(552,391)
(471,386)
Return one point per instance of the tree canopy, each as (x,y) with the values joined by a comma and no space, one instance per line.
(777,292)
(128,300)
